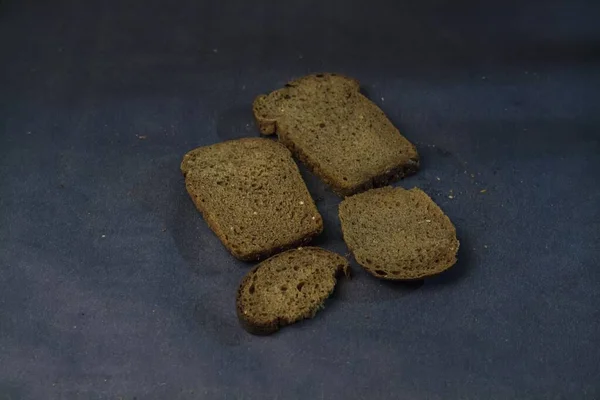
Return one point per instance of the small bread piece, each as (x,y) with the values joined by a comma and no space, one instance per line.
(287,287)
(339,134)
(398,234)
(252,196)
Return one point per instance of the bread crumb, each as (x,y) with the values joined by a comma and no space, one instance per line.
(427,220)
(438,178)
(301,203)
(483,191)
(382,99)
(450,197)
(103,236)
(142,137)
(313,218)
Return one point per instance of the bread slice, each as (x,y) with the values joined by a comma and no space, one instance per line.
(340,135)
(398,234)
(252,196)
(288,287)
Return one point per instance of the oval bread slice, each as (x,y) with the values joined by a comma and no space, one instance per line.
(398,234)
(288,287)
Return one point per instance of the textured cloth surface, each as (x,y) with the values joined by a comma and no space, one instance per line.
(112,286)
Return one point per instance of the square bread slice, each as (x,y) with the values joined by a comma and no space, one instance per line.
(398,234)
(339,134)
(252,196)
(287,288)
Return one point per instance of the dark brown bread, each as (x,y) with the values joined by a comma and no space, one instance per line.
(287,287)
(252,196)
(398,234)
(342,136)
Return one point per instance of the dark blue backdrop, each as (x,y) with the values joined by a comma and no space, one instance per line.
(111,285)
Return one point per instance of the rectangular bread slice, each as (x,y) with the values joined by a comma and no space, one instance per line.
(339,134)
(252,196)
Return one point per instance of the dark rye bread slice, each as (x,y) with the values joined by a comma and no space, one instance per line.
(342,136)
(288,287)
(398,234)
(252,196)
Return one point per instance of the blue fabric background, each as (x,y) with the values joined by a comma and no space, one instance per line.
(112,286)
